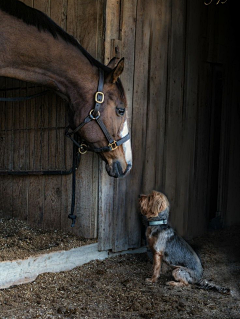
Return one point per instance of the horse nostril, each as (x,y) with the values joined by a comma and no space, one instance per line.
(117,169)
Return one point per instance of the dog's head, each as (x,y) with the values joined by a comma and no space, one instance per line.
(153,205)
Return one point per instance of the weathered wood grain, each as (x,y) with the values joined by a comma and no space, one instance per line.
(170,49)
(107,190)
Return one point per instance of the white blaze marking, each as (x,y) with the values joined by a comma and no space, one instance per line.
(127,145)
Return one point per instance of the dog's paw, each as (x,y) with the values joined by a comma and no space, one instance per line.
(150,280)
(174,283)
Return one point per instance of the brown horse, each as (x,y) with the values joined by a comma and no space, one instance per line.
(35,49)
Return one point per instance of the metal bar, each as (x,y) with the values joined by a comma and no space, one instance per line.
(33,129)
(45,172)
(20,88)
(27,173)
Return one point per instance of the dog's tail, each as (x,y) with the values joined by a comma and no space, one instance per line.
(204,284)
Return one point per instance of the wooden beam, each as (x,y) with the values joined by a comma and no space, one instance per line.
(23,271)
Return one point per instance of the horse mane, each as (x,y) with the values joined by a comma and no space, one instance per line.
(40,20)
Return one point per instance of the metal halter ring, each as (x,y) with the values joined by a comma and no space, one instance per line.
(82,149)
(92,116)
(101,95)
(113,146)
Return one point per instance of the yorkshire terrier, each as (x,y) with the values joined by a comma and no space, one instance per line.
(167,246)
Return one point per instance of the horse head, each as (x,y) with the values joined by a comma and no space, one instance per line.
(102,122)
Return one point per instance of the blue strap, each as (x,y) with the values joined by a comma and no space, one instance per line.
(157,222)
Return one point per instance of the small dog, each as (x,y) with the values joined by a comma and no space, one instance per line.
(167,246)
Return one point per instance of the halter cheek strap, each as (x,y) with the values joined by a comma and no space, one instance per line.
(95,115)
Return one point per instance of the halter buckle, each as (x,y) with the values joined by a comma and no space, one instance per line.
(82,149)
(92,116)
(99,97)
(113,146)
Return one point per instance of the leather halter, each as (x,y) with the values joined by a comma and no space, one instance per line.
(94,115)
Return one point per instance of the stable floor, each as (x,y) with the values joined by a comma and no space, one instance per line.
(116,288)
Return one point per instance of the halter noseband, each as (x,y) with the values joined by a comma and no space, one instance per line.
(94,115)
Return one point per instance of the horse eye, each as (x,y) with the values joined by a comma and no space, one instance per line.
(120,111)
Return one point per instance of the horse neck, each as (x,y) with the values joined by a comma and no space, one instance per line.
(42,59)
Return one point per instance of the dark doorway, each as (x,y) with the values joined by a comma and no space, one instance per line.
(215,143)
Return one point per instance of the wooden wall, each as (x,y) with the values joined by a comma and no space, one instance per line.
(179,80)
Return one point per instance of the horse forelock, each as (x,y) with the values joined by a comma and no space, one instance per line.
(42,22)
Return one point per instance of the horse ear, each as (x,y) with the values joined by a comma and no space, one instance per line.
(116,72)
(113,62)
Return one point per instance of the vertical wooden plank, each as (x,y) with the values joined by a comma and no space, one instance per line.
(106,184)
(31,132)
(72,28)
(198,182)
(59,12)
(66,185)
(16,126)
(7,182)
(126,203)
(199,194)
(231,195)
(59,15)
(153,22)
(36,201)
(43,102)
(20,145)
(125,221)
(2,146)
(57,109)
(90,17)
(9,132)
(175,110)
(106,194)
(36,191)
(85,23)
(28,2)
(52,134)
(152,48)
(43,5)
(7,197)
(160,77)
(52,189)
(139,112)
(189,113)
(226,164)
(20,197)
(204,138)
(2,124)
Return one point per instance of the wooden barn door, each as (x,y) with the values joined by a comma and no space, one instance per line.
(119,227)
(138,31)
(167,78)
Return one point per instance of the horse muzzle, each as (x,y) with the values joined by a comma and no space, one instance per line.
(116,170)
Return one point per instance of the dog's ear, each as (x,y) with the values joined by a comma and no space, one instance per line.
(158,206)
(159,202)
(143,203)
